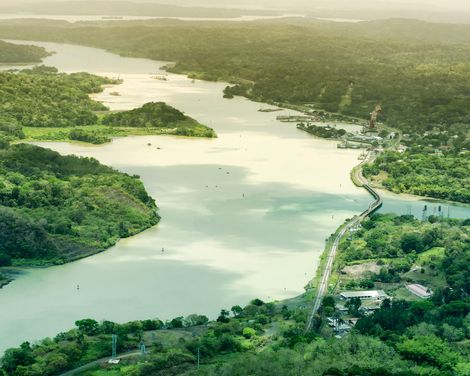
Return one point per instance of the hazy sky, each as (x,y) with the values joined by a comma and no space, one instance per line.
(447,4)
(435,6)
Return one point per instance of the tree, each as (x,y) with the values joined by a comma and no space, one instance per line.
(177,322)
(152,324)
(5,260)
(237,310)
(248,332)
(195,320)
(411,242)
(87,326)
(22,356)
(257,302)
(224,316)
(431,350)
(329,301)
(353,306)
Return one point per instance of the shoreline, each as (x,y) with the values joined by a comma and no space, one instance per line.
(13,272)
(317,273)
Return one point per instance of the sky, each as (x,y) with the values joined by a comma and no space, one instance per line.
(447,4)
(429,10)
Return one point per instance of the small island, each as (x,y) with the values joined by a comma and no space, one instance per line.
(157,117)
(41,104)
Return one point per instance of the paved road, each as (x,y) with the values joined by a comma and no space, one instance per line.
(376,204)
(97,362)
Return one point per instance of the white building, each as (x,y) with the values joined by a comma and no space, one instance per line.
(419,290)
(365,295)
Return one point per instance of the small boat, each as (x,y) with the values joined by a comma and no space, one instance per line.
(160,77)
(269,109)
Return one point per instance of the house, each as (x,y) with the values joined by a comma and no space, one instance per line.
(365,295)
(419,290)
(338,326)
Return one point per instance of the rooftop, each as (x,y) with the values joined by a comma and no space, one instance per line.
(419,290)
(372,294)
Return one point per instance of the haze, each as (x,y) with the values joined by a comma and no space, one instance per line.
(301,4)
(452,11)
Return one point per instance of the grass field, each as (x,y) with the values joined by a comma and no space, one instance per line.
(62,134)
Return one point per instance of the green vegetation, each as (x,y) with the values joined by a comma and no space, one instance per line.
(330,65)
(158,115)
(323,132)
(88,136)
(413,337)
(403,248)
(56,208)
(41,97)
(41,104)
(440,176)
(315,67)
(14,53)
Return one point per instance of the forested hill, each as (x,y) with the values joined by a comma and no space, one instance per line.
(406,336)
(13,53)
(57,208)
(419,72)
(42,97)
(339,68)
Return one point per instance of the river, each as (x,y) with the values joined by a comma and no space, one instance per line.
(243,216)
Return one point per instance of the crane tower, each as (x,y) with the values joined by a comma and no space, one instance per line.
(373,118)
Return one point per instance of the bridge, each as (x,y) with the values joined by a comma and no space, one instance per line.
(373,206)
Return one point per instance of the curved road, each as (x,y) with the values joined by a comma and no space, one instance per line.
(97,362)
(375,205)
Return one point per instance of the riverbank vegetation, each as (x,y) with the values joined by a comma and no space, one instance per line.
(22,54)
(401,249)
(405,336)
(440,176)
(42,97)
(436,164)
(158,115)
(417,74)
(55,208)
(40,104)
(331,65)
(322,131)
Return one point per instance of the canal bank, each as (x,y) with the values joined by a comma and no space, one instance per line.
(240,213)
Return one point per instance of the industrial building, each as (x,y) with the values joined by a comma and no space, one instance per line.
(365,295)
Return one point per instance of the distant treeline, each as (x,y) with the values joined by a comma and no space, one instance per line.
(14,53)
(340,68)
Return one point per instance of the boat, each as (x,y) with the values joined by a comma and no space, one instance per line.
(160,77)
(269,109)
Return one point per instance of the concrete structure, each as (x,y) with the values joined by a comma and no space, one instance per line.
(365,295)
(419,290)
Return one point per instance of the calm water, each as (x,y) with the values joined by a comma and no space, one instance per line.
(244,215)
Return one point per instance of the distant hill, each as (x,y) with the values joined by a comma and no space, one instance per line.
(13,53)
(127,8)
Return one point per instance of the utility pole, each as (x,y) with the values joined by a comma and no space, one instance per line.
(114,340)
(198,357)
(425,213)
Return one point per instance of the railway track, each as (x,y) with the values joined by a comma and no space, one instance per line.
(373,206)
